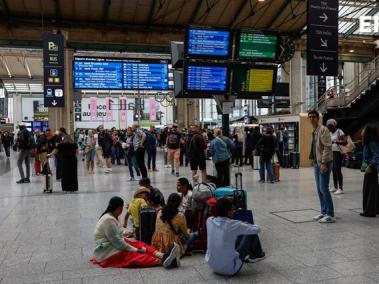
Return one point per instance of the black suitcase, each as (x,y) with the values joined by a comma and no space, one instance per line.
(295,160)
(285,161)
(239,195)
(147,219)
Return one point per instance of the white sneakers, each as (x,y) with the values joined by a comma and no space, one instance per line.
(324,219)
(108,170)
(332,189)
(339,191)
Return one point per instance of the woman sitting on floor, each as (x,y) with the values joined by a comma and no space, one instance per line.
(171,227)
(112,249)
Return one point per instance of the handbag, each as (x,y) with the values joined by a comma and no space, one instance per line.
(364,165)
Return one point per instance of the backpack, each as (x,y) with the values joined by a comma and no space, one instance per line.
(173,140)
(26,140)
(150,140)
(191,148)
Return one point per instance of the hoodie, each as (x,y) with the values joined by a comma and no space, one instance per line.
(222,256)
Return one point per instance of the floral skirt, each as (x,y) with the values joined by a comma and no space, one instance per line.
(123,259)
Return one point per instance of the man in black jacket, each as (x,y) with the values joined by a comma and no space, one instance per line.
(266,148)
(6,140)
(25,144)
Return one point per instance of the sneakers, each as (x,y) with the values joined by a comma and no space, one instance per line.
(339,191)
(167,166)
(332,189)
(21,181)
(170,256)
(173,172)
(108,170)
(26,180)
(176,262)
(318,217)
(177,174)
(256,258)
(131,179)
(327,219)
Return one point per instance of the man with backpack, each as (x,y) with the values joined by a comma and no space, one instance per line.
(174,139)
(195,151)
(26,143)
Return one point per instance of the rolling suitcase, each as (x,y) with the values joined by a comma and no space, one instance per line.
(147,219)
(295,160)
(48,180)
(256,163)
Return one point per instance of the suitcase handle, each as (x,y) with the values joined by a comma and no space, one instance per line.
(238,176)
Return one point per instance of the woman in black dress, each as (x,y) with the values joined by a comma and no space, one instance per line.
(67,150)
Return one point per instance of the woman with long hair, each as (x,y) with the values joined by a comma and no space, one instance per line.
(171,227)
(184,188)
(112,249)
(370,141)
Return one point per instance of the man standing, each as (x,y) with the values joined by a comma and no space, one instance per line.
(6,140)
(322,158)
(139,149)
(25,143)
(151,148)
(105,141)
(174,140)
(195,151)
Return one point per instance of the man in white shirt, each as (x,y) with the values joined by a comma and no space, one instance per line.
(231,242)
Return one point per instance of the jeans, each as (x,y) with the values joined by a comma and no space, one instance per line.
(191,237)
(116,155)
(151,158)
(140,158)
(7,151)
(223,172)
(249,245)
(132,163)
(268,164)
(322,183)
(24,155)
(337,172)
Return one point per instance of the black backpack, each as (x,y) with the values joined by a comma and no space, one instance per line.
(191,148)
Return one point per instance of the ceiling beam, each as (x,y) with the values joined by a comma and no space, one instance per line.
(106,6)
(150,20)
(195,11)
(6,9)
(278,13)
(58,13)
(238,12)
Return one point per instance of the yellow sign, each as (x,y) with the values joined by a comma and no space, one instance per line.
(52,46)
(260,80)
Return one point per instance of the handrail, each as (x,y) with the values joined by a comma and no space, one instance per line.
(347,96)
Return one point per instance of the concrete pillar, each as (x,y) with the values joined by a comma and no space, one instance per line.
(187,112)
(63,117)
(297,83)
(17,110)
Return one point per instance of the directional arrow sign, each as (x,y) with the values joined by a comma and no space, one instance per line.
(324,17)
(54,103)
(322,38)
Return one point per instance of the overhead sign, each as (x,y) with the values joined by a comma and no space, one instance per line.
(264,103)
(321,86)
(322,38)
(120,74)
(53,70)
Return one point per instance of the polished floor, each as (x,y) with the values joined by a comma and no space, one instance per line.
(48,238)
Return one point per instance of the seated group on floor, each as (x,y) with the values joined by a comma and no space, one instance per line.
(164,232)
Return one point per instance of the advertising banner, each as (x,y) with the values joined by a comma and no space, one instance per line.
(93,108)
(153,113)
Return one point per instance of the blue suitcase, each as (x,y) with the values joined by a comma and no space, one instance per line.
(237,194)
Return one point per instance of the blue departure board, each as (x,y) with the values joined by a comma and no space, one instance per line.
(120,74)
(145,76)
(208,42)
(97,75)
(207,78)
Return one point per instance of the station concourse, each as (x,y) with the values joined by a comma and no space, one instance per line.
(156,102)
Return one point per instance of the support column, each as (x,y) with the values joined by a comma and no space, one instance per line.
(63,117)
(187,112)
(17,109)
(297,84)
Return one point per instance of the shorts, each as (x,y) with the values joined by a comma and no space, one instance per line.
(90,156)
(174,153)
(198,164)
(107,153)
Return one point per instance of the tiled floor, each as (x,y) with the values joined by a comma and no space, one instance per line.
(48,238)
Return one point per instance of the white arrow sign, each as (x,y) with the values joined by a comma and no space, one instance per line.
(323,68)
(54,103)
(324,42)
(324,17)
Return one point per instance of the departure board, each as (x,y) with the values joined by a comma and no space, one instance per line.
(206,78)
(120,74)
(253,80)
(145,76)
(97,75)
(208,42)
(256,45)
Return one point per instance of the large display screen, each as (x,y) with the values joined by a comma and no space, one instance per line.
(207,42)
(120,74)
(256,45)
(211,78)
(250,80)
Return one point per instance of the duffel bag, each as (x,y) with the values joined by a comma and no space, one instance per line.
(202,192)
